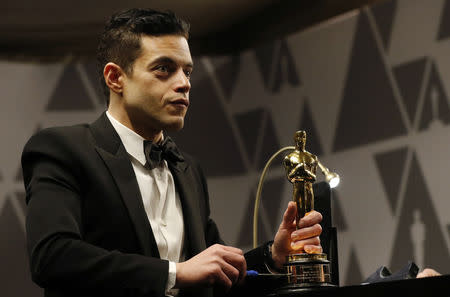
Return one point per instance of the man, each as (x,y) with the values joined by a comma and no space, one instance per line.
(106,215)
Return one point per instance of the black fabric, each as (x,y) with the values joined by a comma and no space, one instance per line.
(322,204)
(155,153)
(87,230)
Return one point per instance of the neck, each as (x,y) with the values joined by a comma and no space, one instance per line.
(154,135)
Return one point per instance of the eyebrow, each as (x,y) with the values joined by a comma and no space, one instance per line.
(168,60)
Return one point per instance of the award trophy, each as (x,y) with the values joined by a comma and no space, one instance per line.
(305,271)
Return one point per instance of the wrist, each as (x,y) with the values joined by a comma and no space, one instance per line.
(272,260)
(178,276)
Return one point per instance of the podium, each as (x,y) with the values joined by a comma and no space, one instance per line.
(421,287)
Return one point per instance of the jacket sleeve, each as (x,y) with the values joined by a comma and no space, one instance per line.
(60,259)
(255,258)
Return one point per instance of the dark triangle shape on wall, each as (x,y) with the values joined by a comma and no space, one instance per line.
(368,92)
(444,27)
(93,76)
(70,93)
(418,236)
(312,136)
(249,124)
(285,69)
(435,109)
(228,74)
(391,167)
(13,256)
(207,132)
(384,14)
(269,144)
(409,77)
(353,276)
(265,58)
(337,215)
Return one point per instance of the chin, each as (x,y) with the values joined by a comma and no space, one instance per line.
(175,126)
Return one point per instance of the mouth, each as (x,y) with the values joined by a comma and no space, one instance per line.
(181,102)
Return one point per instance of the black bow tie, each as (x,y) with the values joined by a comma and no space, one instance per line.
(155,153)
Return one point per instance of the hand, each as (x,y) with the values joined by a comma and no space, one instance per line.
(427,272)
(288,239)
(217,265)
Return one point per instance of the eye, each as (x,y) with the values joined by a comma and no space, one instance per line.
(188,73)
(162,68)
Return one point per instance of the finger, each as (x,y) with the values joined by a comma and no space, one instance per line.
(221,278)
(313,249)
(307,232)
(427,272)
(243,273)
(299,245)
(310,219)
(232,249)
(233,256)
(242,270)
(231,272)
(237,261)
(289,215)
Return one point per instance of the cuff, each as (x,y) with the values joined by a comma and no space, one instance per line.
(172,276)
(268,260)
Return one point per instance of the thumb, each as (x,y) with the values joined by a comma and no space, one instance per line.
(289,215)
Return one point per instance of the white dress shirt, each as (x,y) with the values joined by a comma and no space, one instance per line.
(161,201)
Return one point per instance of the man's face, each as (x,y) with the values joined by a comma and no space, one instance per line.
(156,91)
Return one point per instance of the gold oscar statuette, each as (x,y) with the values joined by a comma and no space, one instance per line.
(305,271)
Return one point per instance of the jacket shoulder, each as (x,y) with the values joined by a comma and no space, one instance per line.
(58,137)
(66,147)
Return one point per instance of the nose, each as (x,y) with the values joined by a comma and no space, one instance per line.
(182,84)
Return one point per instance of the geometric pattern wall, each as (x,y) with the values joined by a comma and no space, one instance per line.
(371,89)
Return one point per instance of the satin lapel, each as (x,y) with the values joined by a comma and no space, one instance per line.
(186,185)
(113,153)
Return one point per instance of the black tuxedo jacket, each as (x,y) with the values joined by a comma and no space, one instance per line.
(87,230)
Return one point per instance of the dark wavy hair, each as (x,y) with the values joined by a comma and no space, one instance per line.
(120,41)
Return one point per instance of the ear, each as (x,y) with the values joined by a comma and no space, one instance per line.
(114,75)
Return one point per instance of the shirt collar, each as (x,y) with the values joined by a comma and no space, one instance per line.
(133,142)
